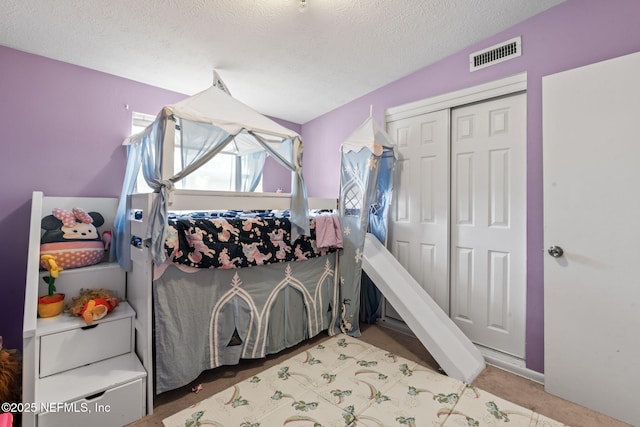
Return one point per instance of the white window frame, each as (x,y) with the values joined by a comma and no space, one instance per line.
(139,121)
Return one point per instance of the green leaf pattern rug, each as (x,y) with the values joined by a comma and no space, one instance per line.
(344,382)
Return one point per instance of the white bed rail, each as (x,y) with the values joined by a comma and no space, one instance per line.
(191,200)
(226,200)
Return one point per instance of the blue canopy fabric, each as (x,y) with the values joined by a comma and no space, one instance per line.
(366,184)
(370,296)
(211,121)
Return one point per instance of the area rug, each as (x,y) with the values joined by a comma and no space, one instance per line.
(344,382)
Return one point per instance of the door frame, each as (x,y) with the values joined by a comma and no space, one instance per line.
(482,92)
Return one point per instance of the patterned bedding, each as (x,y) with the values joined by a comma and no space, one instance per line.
(236,239)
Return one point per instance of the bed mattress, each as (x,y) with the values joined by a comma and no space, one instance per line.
(237,239)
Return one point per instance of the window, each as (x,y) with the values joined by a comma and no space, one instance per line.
(222,173)
(218,174)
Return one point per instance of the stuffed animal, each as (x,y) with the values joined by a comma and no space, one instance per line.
(72,238)
(97,308)
(10,370)
(93,304)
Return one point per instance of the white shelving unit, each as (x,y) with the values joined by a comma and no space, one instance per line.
(76,374)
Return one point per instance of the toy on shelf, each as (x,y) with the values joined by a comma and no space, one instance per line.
(72,237)
(93,304)
(50,305)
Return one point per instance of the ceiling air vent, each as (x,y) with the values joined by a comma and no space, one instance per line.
(495,54)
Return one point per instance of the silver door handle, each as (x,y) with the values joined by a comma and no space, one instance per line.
(555,251)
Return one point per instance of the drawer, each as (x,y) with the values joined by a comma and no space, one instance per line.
(78,347)
(115,407)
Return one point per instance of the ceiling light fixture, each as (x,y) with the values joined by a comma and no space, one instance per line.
(302,5)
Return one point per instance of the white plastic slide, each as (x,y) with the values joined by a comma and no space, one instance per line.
(455,353)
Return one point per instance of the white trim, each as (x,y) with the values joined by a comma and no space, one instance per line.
(395,325)
(482,92)
(141,119)
(503,361)
(511,364)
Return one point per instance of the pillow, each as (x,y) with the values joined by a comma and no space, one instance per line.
(72,238)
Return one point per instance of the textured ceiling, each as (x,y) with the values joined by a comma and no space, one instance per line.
(287,64)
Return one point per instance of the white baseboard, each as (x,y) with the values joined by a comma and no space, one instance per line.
(510,364)
(395,325)
(495,358)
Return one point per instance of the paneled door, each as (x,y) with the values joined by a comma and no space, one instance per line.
(458,219)
(488,222)
(591,210)
(419,232)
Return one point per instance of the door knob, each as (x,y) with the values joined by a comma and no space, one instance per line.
(555,251)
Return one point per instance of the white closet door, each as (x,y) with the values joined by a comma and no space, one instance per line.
(591,209)
(488,222)
(419,222)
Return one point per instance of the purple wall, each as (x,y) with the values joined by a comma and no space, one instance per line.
(62,132)
(274,175)
(63,127)
(574,33)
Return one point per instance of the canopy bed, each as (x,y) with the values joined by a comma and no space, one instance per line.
(219,276)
